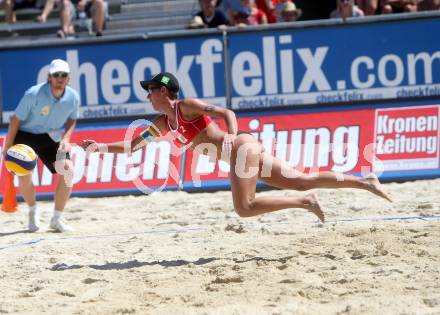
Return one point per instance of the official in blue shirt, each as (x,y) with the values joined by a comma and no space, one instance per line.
(40,117)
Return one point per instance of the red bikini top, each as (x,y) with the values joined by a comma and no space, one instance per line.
(186,131)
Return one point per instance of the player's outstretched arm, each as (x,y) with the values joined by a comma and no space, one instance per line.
(147,135)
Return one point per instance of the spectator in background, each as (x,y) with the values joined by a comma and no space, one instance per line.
(231,8)
(255,15)
(241,18)
(369,7)
(346,9)
(279,6)
(398,6)
(47,10)
(428,5)
(196,22)
(94,9)
(10,6)
(243,12)
(67,15)
(268,7)
(287,12)
(210,16)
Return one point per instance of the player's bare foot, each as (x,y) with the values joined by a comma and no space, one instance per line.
(312,205)
(376,187)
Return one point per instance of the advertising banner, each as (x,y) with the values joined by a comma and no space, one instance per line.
(155,167)
(107,75)
(399,141)
(272,67)
(394,142)
(339,141)
(407,138)
(335,64)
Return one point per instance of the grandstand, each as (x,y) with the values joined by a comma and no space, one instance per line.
(124,17)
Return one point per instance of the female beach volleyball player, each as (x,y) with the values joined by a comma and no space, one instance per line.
(189,123)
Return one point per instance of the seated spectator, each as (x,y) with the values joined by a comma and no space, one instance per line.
(287,12)
(369,7)
(231,8)
(240,18)
(346,9)
(10,6)
(398,6)
(254,15)
(67,15)
(47,10)
(268,7)
(196,22)
(210,16)
(237,10)
(94,9)
(428,5)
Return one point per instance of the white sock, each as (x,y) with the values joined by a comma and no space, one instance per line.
(57,214)
(33,209)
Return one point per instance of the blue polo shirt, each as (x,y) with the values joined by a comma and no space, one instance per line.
(40,112)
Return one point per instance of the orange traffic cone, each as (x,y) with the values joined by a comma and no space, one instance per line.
(9,194)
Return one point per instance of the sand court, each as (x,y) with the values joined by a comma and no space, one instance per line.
(189,253)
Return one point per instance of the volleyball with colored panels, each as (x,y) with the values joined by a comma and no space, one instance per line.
(20,159)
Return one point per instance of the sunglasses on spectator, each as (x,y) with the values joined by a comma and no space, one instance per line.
(60,75)
(151,89)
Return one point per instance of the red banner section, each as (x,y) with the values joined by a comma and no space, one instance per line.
(407,138)
(308,142)
(402,142)
(155,167)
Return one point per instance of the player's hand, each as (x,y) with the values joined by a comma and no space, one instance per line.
(5,149)
(65,146)
(89,145)
(228,142)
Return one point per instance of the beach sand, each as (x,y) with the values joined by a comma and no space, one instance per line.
(189,253)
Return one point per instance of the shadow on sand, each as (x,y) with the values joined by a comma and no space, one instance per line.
(134,264)
(2,234)
(164,263)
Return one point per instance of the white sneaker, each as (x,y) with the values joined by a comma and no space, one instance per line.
(60,225)
(34,221)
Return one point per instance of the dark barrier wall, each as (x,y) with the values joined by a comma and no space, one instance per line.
(277,65)
(396,140)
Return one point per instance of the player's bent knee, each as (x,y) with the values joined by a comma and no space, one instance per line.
(247,139)
(64,167)
(302,187)
(243,209)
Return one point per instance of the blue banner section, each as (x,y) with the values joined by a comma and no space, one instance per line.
(341,63)
(108,74)
(335,64)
